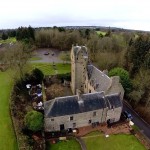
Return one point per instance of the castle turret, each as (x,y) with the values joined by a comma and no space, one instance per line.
(79,60)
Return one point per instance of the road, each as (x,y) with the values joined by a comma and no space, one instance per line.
(142,125)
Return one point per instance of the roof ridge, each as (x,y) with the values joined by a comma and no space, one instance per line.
(50,107)
(112,94)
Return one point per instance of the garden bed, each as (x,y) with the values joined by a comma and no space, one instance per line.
(56,87)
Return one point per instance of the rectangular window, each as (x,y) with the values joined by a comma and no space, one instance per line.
(71,118)
(94,113)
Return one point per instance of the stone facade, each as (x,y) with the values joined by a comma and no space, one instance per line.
(77,111)
(87,78)
(97,97)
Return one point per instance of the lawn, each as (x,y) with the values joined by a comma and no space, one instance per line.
(7,137)
(9,40)
(35,58)
(48,68)
(97,141)
(65,145)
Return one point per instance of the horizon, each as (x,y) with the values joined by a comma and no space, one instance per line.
(76,26)
(132,15)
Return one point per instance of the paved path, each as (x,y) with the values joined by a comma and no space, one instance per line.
(138,121)
(81,142)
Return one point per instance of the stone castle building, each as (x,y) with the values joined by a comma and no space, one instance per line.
(97,98)
(86,78)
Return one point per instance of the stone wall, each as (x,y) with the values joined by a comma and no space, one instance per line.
(80,120)
(114,114)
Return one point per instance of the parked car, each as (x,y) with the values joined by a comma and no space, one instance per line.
(46,53)
(127,115)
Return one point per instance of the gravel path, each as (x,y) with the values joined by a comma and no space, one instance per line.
(81,142)
(53,55)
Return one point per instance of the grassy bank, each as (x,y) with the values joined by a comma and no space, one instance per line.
(7,137)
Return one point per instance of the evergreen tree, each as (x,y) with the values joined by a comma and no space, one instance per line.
(4,36)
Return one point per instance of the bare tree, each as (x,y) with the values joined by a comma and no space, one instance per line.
(16,58)
(65,57)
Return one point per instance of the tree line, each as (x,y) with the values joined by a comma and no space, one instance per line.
(127,50)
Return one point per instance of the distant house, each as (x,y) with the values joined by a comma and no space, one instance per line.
(97,97)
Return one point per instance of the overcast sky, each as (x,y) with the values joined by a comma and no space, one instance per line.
(131,14)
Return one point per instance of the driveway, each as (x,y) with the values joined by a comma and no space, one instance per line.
(138,121)
(52,55)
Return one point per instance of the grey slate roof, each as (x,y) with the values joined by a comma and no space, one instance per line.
(98,79)
(71,105)
(114,100)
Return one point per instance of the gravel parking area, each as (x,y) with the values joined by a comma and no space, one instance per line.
(47,55)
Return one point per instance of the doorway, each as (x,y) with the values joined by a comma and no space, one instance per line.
(62,127)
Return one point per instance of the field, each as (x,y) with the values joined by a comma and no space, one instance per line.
(101,32)
(7,137)
(97,141)
(48,68)
(9,40)
(65,145)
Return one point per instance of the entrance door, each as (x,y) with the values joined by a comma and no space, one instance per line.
(62,127)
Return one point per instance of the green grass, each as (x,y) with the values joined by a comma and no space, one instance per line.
(35,58)
(7,137)
(101,32)
(98,141)
(9,40)
(48,68)
(65,145)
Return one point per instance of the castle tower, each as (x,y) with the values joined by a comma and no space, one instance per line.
(79,60)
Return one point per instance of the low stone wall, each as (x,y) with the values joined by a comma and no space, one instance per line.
(143,139)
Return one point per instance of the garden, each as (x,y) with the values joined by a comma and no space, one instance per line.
(28,126)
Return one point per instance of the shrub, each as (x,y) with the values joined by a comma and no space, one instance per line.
(34,120)
(66,76)
(124,78)
(38,75)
